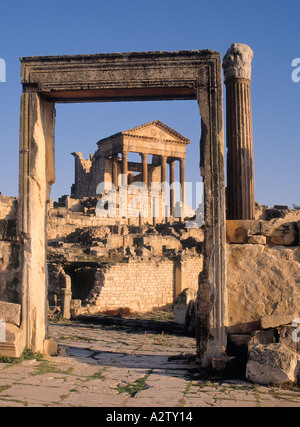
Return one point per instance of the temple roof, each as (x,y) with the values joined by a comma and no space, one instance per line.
(155,130)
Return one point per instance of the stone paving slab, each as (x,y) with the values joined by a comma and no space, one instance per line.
(100,366)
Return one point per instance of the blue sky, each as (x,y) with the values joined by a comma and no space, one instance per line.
(270,28)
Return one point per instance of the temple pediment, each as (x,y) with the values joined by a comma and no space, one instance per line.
(156,130)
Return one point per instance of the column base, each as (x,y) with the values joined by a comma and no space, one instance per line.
(50,347)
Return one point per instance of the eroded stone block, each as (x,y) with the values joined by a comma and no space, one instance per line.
(268,322)
(10,313)
(285,234)
(257,240)
(280,232)
(262,337)
(272,364)
(13,345)
(237,231)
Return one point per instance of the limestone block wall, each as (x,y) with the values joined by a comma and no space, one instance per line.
(9,272)
(141,285)
(59,225)
(8,207)
(157,243)
(191,269)
(263,272)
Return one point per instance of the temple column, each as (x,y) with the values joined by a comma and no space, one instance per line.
(239,138)
(125,166)
(182,184)
(172,190)
(115,170)
(164,184)
(145,168)
(163,168)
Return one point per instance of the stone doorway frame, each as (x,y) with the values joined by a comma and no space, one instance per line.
(183,75)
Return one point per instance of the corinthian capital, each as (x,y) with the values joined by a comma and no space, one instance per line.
(237,61)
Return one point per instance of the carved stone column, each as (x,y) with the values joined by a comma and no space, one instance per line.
(125,165)
(145,168)
(115,170)
(172,190)
(164,184)
(239,139)
(163,169)
(66,296)
(182,184)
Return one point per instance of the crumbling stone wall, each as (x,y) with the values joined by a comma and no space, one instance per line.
(191,268)
(8,207)
(137,285)
(9,272)
(9,262)
(141,285)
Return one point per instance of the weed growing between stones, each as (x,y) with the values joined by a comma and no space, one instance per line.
(26,355)
(133,388)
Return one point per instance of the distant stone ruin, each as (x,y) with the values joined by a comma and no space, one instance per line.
(155,139)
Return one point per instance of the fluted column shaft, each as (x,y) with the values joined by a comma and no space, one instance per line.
(172,190)
(144,168)
(182,184)
(115,170)
(239,138)
(125,167)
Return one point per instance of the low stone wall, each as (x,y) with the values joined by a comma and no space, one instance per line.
(142,285)
(63,223)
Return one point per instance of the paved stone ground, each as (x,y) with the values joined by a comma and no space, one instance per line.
(101,366)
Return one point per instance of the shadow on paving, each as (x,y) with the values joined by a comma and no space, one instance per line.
(128,326)
(130,360)
(137,349)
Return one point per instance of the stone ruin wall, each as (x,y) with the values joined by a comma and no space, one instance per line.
(9,251)
(263,269)
(8,207)
(263,265)
(142,286)
(72,213)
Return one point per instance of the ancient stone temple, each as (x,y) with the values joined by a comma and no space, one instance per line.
(110,162)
